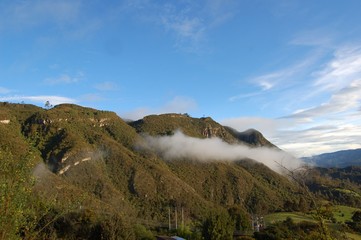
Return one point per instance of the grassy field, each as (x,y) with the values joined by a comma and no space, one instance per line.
(343,213)
(353,236)
(281,216)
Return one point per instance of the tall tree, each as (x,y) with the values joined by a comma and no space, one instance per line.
(218,226)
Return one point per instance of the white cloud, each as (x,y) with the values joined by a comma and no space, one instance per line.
(178,104)
(331,126)
(65,79)
(180,146)
(332,122)
(41,99)
(344,68)
(323,139)
(346,99)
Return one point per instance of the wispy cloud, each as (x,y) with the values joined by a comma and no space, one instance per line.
(4,90)
(65,79)
(41,99)
(106,86)
(320,38)
(186,29)
(178,104)
(332,122)
(344,100)
(23,14)
(189,21)
(245,95)
(281,80)
(91,97)
(66,16)
(320,139)
(344,68)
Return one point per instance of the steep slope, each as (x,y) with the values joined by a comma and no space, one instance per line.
(167,124)
(252,137)
(245,182)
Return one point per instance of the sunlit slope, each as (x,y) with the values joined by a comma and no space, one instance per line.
(93,155)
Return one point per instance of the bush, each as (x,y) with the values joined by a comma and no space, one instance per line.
(17,213)
(142,233)
(218,226)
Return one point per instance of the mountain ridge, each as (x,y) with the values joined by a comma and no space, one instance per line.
(341,159)
(89,157)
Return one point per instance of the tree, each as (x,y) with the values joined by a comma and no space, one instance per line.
(16,203)
(240,218)
(218,226)
(48,105)
(356,217)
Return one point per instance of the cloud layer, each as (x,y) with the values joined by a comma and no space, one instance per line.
(327,105)
(180,146)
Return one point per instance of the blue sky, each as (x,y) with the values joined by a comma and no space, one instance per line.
(289,68)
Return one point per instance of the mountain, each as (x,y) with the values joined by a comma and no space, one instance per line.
(206,127)
(339,159)
(87,167)
(252,137)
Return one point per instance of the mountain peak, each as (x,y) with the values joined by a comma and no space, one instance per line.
(252,137)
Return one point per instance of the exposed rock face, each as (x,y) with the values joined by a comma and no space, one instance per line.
(5,121)
(210,132)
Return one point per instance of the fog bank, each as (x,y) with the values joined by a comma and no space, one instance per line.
(180,146)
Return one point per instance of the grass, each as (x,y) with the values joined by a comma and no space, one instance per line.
(353,236)
(343,213)
(281,216)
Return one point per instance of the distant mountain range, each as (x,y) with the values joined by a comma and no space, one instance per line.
(339,159)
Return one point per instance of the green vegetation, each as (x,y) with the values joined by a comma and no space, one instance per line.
(339,186)
(218,226)
(296,217)
(288,229)
(72,172)
(17,213)
(343,213)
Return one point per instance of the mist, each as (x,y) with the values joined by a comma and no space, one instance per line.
(180,146)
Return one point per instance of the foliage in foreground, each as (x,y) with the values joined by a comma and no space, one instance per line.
(18,207)
(288,229)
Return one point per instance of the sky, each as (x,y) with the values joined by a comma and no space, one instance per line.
(288,68)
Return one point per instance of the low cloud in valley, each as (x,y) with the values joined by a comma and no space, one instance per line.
(180,146)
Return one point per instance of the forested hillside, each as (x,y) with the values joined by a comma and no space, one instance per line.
(73,172)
